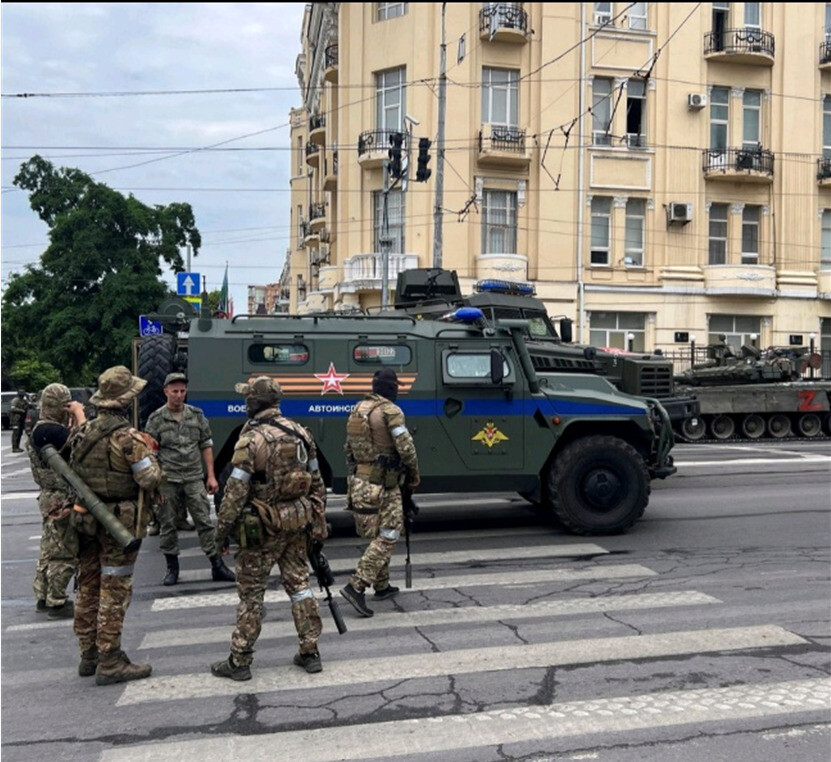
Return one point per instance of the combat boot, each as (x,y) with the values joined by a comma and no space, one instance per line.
(390,591)
(40,606)
(172,576)
(231,670)
(220,572)
(88,663)
(65,611)
(310,662)
(357,599)
(115,667)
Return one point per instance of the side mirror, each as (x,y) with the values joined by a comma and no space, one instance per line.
(565,330)
(497,366)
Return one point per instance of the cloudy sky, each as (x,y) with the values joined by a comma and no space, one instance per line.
(167,101)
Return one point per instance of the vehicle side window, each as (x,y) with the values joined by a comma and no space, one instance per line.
(282,354)
(471,368)
(382,354)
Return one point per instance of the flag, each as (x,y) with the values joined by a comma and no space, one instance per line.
(224,303)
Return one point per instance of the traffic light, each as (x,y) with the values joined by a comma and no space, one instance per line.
(423,172)
(396,141)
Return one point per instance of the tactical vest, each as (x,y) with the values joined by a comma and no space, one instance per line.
(372,446)
(280,491)
(44,476)
(91,460)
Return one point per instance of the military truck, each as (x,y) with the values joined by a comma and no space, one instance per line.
(431,292)
(483,419)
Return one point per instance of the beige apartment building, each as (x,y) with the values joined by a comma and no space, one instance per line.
(660,172)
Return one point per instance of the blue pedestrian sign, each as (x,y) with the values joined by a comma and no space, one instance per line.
(149,327)
(187,284)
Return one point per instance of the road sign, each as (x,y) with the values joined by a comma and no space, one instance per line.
(187,284)
(149,327)
(195,302)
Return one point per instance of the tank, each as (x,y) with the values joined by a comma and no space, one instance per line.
(756,394)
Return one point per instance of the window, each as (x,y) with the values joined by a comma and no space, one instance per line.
(390,100)
(719,114)
(500,97)
(301,155)
(395,220)
(753,16)
(751,120)
(828,22)
(825,246)
(301,227)
(601,230)
(718,234)
(385,11)
(636,113)
(472,367)
(612,329)
(737,329)
(751,217)
(284,354)
(601,111)
(602,13)
(637,16)
(826,127)
(499,222)
(382,354)
(635,226)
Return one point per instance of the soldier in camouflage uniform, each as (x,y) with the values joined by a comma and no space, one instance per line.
(58,538)
(116,462)
(276,497)
(380,458)
(185,447)
(17,417)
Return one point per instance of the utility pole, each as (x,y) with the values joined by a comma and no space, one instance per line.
(437,209)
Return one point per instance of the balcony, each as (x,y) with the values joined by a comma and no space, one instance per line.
(744,46)
(748,165)
(317,216)
(503,146)
(503,22)
(308,237)
(312,155)
(330,63)
(330,172)
(824,172)
(374,146)
(317,129)
(363,272)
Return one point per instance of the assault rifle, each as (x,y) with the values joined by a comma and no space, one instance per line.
(410,512)
(325,578)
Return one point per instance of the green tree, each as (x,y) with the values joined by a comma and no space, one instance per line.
(78,308)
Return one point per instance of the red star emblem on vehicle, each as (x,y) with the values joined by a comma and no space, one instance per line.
(331,380)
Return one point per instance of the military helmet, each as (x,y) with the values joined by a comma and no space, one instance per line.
(53,399)
(262,387)
(117,387)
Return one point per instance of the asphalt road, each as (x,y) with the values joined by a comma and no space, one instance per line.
(702,634)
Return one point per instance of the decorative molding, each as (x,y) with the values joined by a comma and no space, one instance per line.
(736,208)
(620,202)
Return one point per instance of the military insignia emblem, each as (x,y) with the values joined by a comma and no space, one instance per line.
(489,435)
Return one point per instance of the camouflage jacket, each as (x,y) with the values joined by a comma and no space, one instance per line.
(181,442)
(55,494)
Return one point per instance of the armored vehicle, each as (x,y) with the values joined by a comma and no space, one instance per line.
(431,292)
(756,394)
(482,417)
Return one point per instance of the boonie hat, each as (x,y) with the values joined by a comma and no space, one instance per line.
(171,377)
(262,386)
(116,387)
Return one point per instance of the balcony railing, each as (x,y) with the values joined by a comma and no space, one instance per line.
(377,140)
(751,42)
(317,210)
(312,153)
(503,138)
(498,16)
(738,161)
(330,56)
(364,272)
(823,170)
(316,122)
(825,53)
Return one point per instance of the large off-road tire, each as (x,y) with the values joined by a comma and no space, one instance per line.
(598,485)
(156,356)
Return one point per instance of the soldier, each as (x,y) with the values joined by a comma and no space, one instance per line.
(17,417)
(276,496)
(380,458)
(185,449)
(58,538)
(116,462)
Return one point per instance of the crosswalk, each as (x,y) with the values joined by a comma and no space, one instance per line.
(508,639)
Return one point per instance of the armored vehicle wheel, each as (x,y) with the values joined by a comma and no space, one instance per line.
(155,360)
(753,426)
(722,427)
(779,425)
(598,485)
(809,425)
(694,428)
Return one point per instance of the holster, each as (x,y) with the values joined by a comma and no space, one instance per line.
(250,528)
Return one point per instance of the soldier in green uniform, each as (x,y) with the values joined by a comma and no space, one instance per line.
(186,455)
(58,538)
(17,417)
(116,462)
(380,458)
(276,497)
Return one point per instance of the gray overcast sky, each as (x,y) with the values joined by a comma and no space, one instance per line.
(238,57)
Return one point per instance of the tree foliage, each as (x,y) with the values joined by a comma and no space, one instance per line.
(78,308)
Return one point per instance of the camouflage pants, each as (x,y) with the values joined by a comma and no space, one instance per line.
(179,499)
(252,567)
(105,582)
(56,562)
(383,530)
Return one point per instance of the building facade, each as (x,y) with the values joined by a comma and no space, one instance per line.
(661,172)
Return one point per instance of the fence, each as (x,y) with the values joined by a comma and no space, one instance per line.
(682,359)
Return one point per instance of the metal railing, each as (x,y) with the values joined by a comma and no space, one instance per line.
(316,121)
(739,41)
(378,140)
(503,138)
(823,169)
(330,56)
(738,160)
(503,16)
(317,210)
(682,359)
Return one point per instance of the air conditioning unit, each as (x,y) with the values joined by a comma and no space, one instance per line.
(679,213)
(697,100)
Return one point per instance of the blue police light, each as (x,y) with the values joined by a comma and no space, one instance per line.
(464,315)
(515,288)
